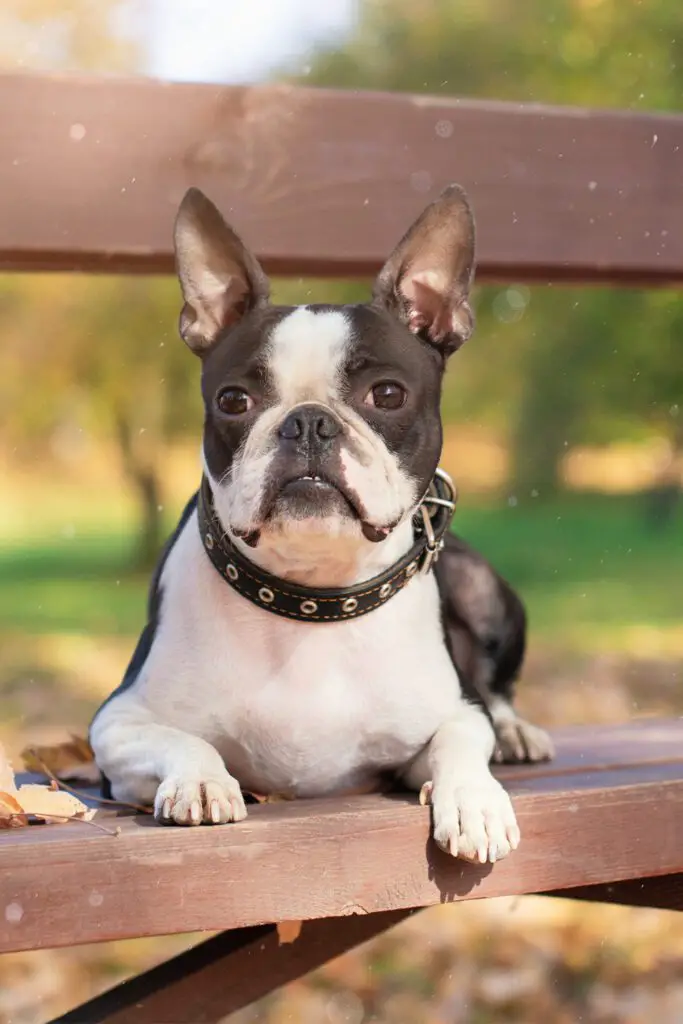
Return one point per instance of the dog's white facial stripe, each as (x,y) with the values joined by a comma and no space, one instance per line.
(306,352)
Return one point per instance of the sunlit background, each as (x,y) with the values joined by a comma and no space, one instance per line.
(564,430)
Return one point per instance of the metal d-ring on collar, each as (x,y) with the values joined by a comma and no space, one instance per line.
(310,604)
(440,495)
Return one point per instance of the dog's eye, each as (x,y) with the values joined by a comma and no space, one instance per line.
(234,401)
(387,395)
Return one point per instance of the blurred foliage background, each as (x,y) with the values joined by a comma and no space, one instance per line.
(564,429)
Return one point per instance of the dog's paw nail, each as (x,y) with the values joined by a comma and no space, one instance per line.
(426,794)
(215,812)
(166,809)
(512,835)
(195,812)
(239,811)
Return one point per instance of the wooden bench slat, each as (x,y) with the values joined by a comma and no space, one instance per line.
(326,182)
(68,885)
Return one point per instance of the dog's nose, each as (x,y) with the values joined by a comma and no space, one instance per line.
(310,423)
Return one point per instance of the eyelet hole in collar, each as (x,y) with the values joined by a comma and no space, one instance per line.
(308,607)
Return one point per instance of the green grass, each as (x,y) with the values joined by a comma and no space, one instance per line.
(588,568)
(586,565)
(84,585)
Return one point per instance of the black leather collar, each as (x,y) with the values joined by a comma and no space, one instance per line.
(309,604)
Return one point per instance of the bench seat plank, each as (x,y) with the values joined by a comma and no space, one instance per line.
(609,809)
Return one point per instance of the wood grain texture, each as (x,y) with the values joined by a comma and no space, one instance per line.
(326,182)
(228,972)
(331,858)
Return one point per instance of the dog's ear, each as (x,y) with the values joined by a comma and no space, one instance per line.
(220,279)
(426,281)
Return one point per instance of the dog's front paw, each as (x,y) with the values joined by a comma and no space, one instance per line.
(473,821)
(518,741)
(212,800)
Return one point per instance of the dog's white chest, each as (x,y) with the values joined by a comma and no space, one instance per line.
(294,707)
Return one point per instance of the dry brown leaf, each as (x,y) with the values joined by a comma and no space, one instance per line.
(11,812)
(288,931)
(52,805)
(7,783)
(71,760)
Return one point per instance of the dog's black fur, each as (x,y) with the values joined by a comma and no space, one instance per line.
(486,637)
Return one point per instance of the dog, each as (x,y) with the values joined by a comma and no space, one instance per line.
(312,627)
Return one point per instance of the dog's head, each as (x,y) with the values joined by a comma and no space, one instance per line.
(323,419)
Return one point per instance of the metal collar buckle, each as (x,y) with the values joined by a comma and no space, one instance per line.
(435,500)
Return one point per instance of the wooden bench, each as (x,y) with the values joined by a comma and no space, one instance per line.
(324,183)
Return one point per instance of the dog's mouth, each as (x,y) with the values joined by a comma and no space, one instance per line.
(315,495)
(313,478)
(332,496)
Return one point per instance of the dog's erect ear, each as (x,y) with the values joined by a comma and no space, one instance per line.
(220,279)
(426,280)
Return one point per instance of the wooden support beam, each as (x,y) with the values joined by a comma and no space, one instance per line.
(228,972)
(323,182)
(664,892)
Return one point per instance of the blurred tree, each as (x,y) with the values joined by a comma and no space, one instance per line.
(142,380)
(649,388)
(591,52)
(110,364)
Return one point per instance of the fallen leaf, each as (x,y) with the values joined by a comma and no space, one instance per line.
(11,812)
(52,805)
(71,760)
(288,931)
(7,783)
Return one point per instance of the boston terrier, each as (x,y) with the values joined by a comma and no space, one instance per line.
(313,626)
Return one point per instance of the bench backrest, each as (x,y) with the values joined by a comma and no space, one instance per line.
(324,183)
